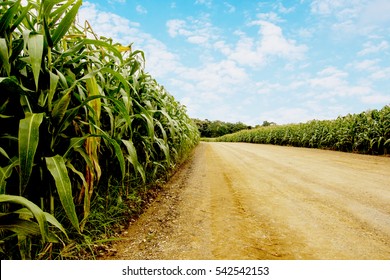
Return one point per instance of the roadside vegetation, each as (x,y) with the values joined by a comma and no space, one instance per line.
(366,133)
(85,132)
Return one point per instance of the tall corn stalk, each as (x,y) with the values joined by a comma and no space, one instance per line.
(77,114)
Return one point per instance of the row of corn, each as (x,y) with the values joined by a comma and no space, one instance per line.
(78,115)
(367,133)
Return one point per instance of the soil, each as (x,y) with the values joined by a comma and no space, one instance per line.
(242,201)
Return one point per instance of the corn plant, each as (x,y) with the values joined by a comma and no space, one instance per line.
(367,133)
(78,114)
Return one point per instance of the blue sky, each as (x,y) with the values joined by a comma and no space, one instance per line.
(251,61)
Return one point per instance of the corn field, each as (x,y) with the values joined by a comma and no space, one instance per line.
(82,126)
(366,133)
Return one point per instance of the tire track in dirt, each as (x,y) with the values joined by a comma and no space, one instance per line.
(249,201)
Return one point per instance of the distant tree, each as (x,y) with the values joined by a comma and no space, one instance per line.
(267,123)
(211,129)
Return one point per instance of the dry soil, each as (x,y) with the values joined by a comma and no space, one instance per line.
(250,201)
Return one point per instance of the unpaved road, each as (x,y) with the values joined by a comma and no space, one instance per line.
(250,201)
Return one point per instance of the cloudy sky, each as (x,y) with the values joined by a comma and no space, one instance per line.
(251,61)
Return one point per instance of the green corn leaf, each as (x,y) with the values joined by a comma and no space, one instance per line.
(21,17)
(75,142)
(7,17)
(58,12)
(165,148)
(53,86)
(81,175)
(109,47)
(35,210)
(57,168)
(4,57)
(28,143)
(60,108)
(133,158)
(35,50)
(25,214)
(4,153)
(22,227)
(49,40)
(83,153)
(65,23)
(118,76)
(119,155)
(52,220)
(118,106)
(115,145)
(5,173)
(47,6)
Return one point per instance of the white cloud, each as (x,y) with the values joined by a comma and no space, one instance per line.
(196,31)
(141,10)
(306,32)
(222,47)
(110,25)
(355,17)
(332,82)
(325,7)
(246,53)
(366,65)
(271,16)
(229,8)
(207,3)
(273,42)
(381,74)
(376,12)
(376,98)
(254,52)
(176,27)
(282,9)
(370,47)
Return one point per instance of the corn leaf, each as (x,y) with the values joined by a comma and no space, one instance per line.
(25,214)
(5,173)
(60,108)
(75,143)
(119,155)
(35,210)
(28,143)
(57,13)
(52,220)
(106,45)
(4,57)
(133,158)
(57,168)
(7,17)
(21,17)
(35,50)
(22,227)
(53,86)
(66,23)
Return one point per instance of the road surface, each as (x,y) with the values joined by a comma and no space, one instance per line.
(251,201)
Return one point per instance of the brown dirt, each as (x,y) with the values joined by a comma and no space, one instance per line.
(250,201)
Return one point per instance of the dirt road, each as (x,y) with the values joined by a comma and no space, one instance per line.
(250,201)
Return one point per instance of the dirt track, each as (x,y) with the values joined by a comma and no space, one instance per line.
(249,201)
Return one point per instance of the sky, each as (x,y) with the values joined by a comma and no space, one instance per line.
(253,61)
